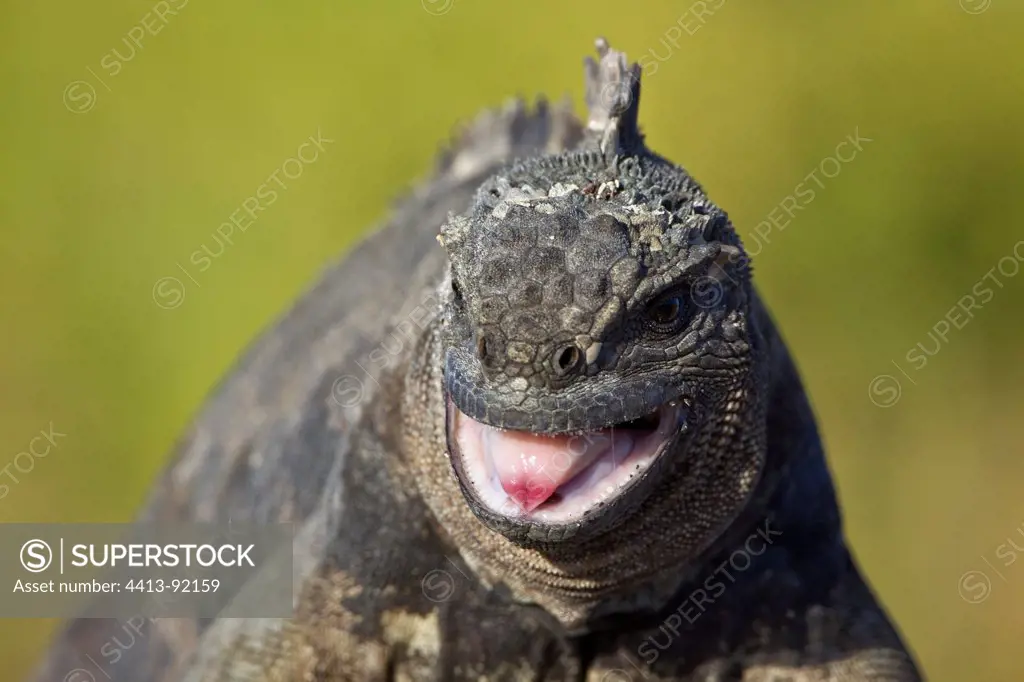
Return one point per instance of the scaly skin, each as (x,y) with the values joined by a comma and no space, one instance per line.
(724,560)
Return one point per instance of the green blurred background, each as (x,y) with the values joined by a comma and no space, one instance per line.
(110,184)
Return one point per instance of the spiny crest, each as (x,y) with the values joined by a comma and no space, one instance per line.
(613,100)
(516,130)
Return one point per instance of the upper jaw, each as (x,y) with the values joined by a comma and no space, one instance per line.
(543,488)
(607,401)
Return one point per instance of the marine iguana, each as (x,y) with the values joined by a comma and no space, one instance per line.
(574,448)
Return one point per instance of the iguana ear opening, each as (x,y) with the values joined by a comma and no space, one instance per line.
(613,101)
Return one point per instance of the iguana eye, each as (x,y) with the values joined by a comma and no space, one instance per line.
(666,311)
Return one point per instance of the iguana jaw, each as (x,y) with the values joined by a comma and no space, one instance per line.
(548,485)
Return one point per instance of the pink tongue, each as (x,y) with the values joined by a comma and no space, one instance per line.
(530,467)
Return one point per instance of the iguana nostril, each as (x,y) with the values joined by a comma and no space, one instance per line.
(566,359)
(490,348)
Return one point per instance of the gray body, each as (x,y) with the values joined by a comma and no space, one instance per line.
(335,420)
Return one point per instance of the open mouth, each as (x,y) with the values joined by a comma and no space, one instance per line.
(557,479)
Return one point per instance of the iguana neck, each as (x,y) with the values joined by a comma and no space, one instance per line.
(640,564)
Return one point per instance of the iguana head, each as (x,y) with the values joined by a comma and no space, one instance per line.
(595,335)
